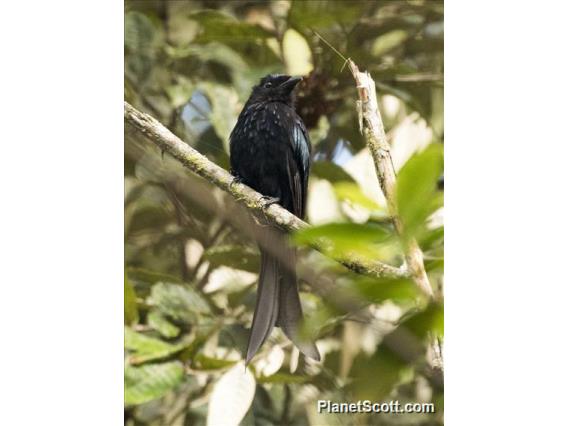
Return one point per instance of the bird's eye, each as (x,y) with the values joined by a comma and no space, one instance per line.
(268,85)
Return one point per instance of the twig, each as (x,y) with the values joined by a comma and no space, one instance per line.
(244,195)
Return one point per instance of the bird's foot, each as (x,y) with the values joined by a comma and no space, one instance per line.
(268,201)
(236,179)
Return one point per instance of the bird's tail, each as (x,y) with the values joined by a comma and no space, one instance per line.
(278,303)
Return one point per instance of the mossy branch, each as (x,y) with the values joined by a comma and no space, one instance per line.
(253,201)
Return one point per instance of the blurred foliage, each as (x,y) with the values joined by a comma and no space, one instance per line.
(190,283)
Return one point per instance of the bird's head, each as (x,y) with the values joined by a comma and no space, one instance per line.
(275,88)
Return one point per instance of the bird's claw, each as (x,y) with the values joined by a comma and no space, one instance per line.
(268,201)
(236,179)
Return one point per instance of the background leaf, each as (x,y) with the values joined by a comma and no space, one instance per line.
(179,302)
(231,397)
(150,381)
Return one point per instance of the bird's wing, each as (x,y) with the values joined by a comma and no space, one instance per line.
(298,165)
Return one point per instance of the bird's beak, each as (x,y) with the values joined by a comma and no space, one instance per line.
(291,83)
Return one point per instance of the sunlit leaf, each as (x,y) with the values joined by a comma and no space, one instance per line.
(159,323)
(347,191)
(340,239)
(388,41)
(231,397)
(151,381)
(416,192)
(147,348)
(297,53)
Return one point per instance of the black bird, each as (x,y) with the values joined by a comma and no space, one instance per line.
(270,152)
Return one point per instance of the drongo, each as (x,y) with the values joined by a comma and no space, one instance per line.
(270,152)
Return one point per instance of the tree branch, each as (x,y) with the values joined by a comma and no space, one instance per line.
(244,195)
(371,125)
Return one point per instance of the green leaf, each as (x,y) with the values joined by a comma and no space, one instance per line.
(331,171)
(218,26)
(297,53)
(324,13)
(159,323)
(203,362)
(231,397)
(151,381)
(377,290)
(130,308)
(180,93)
(430,320)
(179,302)
(149,277)
(149,219)
(347,191)
(376,376)
(147,348)
(237,257)
(416,192)
(225,108)
(340,239)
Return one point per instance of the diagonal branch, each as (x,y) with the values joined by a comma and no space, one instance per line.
(244,195)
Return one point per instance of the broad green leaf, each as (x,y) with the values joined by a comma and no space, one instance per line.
(430,320)
(237,257)
(147,348)
(179,302)
(347,191)
(331,171)
(231,397)
(416,192)
(130,308)
(340,239)
(297,53)
(151,381)
(158,322)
